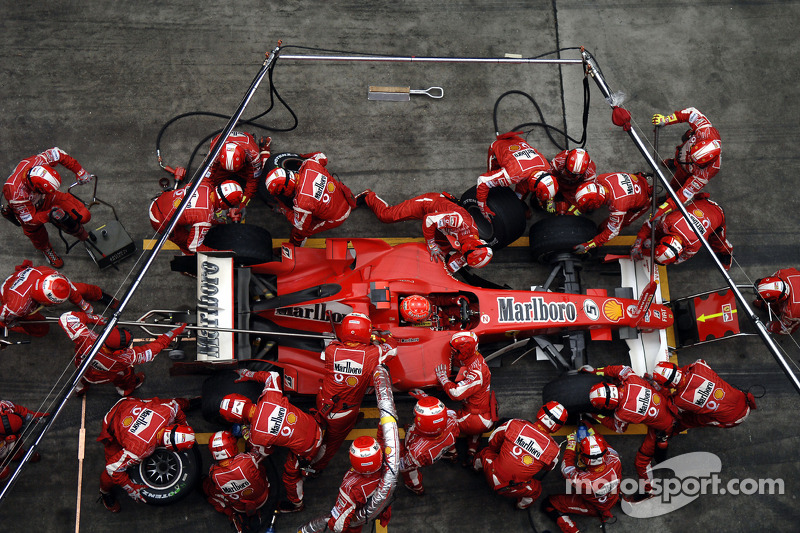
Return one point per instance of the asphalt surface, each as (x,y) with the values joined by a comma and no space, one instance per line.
(99,79)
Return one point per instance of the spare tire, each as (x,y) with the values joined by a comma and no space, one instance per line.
(221,384)
(168,476)
(287,160)
(572,391)
(252,244)
(558,234)
(509,221)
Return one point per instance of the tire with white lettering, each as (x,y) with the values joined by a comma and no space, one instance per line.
(221,384)
(252,244)
(572,391)
(168,476)
(287,160)
(509,221)
(559,234)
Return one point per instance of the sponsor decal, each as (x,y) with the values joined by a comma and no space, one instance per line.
(727,313)
(526,154)
(235,485)
(703,392)
(142,421)
(535,310)
(485,319)
(625,183)
(291,418)
(21,277)
(318,186)
(529,445)
(591,310)
(208,309)
(286,252)
(127,421)
(352,381)
(316,312)
(527,460)
(331,187)
(612,310)
(275,420)
(719,394)
(408,340)
(696,223)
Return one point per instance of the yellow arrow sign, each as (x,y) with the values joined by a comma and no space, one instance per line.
(704,317)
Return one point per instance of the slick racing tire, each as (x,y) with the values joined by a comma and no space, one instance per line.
(168,475)
(286,160)
(252,244)
(558,234)
(572,391)
(509,221)
(221,384)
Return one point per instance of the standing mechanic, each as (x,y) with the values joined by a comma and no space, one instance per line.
(349,364)
(13,419)
(512,161)
(132,430)
(779,294)
(677,240)
(115,360)
(34,199)
(431,437)
(237,482)
(311,199)
(571,169)
(701,396)
(208,206)
(446,226)
(30,288)
(635,401)
(473,387)
(697,158)
(593,470)
(520,453)
(627,197)
(273,421)
(241,160)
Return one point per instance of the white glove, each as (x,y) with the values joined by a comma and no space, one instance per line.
(84,177)
(86,307)
(435,251)
(441,374)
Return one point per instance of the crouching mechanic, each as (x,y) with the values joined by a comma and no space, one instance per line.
(779,295)
(30,288)
(131,431)
(349,364)
(634,400)
(571,169)
(512,161)
(594,471)
(358,485)
(473,386)
(116,358)
(520,453)
(13,420)
(208,206)
(701,396)
(34,199)
(237,482)
(446,226)
(431,437)
(311,199)
(271,422)
(676,239)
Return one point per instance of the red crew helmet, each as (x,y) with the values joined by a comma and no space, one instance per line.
(477,252)
(430,416)
(118,339)
(593,449)
(356,327)
(44,179)
(667,374)
(51,290)
(772,289)
(704,151)
(231,157)
(577,161)
(280,181)
(604,396)
(590,196)
(668,250)
(222,445)
(366,455)
(416,308)
(229,194)
(178,437)
(463,344)
(544,186)
(552,416)
(235,408)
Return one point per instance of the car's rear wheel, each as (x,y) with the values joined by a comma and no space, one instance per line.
(558,234)
(509,221)
(572,391)
(286,160)
(252,244)
(221,384)
(168,476)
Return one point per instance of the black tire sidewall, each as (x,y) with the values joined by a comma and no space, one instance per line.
(572,391)
(182,486)
(221,384)
(509,221)
(252,244)
(287,160)
(558,234)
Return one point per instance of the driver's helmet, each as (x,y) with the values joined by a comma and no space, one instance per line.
(416,308)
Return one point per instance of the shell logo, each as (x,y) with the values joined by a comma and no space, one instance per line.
(292,418)
(514,147)
(352,381)
(331,187)
(612,310)
(247,492)
(127,421)
(719,394)
(656,399)
(176,202)
(527,460)
(697,213)
(599,468)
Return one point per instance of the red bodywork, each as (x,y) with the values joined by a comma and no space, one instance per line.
(372,276)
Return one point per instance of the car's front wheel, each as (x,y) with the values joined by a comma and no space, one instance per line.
(168,476)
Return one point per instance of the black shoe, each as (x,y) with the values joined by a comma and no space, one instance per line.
(110,502)
(290,507)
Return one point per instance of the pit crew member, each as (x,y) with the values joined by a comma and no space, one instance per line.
(271,422)
(131,431)
(472,387)
(520,453)
(208,206)
(349,364)
(779,294)
(676,239)
(30,288)
(311,199)
(571,169)
(116,358)
(358,485)
(13,420)
(701,396)
(627,197)
(34,199)
(237,482)
(446,227)
(594,469)
(697,158)
(512,161)
(431,437)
